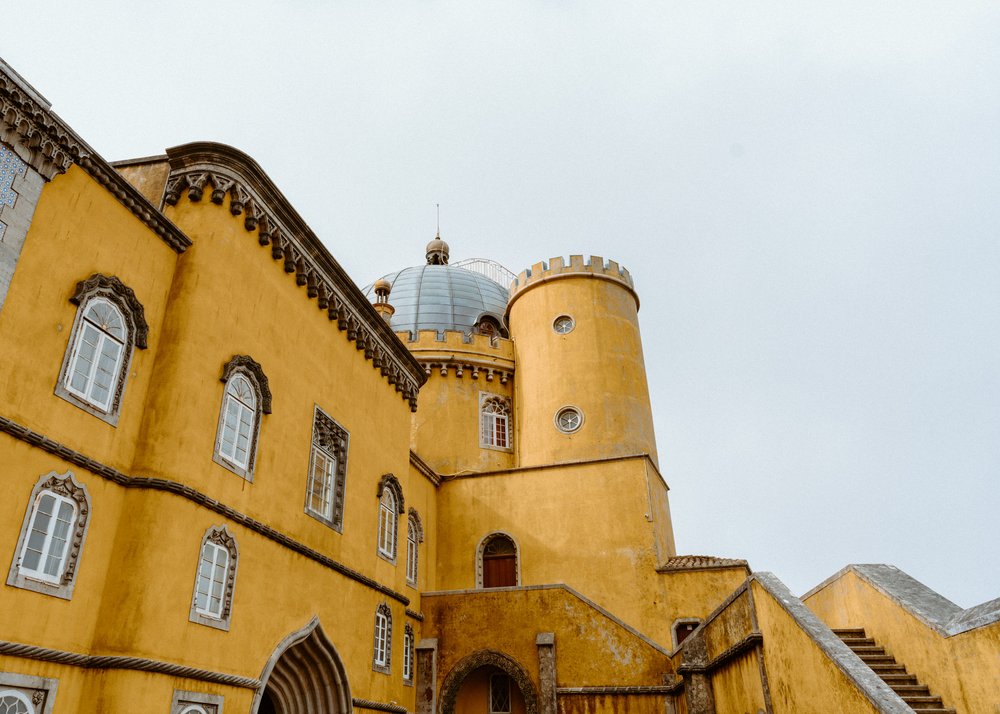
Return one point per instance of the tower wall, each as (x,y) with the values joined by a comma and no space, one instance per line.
(597,367)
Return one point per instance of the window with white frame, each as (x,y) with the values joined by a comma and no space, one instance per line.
(494,422)
(408,655)
(27,694)
(15,702)
(414,536)
(499,694)
(51,539)
(390,506)
(109,322)
(195,703)
(245,398)
(382,658)
(215,579)
(327,471)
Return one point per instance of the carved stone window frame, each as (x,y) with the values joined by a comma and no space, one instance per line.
(385,611)
(390,482)
(123,298)
(67,486)
(250,369)
(331,437)
(481,549)
(219,535)
(414,533)
(487,398)
(40,691)
(183,701)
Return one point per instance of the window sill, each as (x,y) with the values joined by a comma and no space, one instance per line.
(200,619)
(105,416)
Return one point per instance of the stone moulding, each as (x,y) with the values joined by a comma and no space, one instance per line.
(51,147)
(122,295)
(378,706)
(224,171)
(249,364)
(488,658)
(62,451)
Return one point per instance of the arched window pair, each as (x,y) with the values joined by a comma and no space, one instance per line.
(247,396)
(48,550)
(109,323)
(497,562)
(494,422)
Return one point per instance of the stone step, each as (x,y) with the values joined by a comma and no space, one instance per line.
(910,690)
(855,641)
(921,701)
(884,669)
(894,679)
(871,659)
(934,710)
(862,650)
(850,632)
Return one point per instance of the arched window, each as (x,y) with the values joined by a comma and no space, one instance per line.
(382,658)
(414,536)
(245,399)
(109,323)
(14,702)
(494,422)
(215,579)
(390,495)
(498,566)
(408,655)
(48,550)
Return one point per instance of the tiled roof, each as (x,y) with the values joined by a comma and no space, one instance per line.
(700,562)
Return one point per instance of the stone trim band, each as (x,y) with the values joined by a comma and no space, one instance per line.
(751,640)
(16,649)
(378,706)
(160,484)
(658,689)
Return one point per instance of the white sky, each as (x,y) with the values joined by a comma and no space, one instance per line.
(808,196)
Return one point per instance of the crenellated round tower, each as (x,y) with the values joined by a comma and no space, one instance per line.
(581,381)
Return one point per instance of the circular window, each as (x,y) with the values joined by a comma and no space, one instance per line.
(569,419)
(563,324)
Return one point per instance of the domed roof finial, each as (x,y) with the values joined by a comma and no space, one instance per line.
(437,249)
(382,306)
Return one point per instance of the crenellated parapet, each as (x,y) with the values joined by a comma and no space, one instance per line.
(578,265)
(462,354)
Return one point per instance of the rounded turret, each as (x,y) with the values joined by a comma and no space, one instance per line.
(581,380)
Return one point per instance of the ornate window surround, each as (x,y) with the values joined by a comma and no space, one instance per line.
(330,437)
(123,298)
(219,535)
(481,549)
(408,653)
(40,691)
(382,650)
(500,401)
(67,486)
(390,482)
(414,537)
(248,368)
(184,702)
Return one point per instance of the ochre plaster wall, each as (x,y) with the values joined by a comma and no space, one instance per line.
(961,669)
(597,367)
(737,686)
(610,704)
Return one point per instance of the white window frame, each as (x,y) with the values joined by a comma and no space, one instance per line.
(490,422)
(382,656)
(568,409)
(39,692)
(20,697)
(412,555)
(408,655)
(45,553)
(240,466)
(64,490)
(330,443)
(217,559)
(104,337)
(216,539)
(388,523)
(185,702)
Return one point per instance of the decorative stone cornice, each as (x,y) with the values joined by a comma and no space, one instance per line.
(389,481)
(122,295)
(245,363)
(50,147)
(227,172)
(424,469)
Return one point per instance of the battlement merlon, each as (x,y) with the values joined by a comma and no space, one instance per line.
(556,268)
(442,340)
(459,353)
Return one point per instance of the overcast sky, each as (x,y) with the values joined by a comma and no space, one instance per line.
(807,194)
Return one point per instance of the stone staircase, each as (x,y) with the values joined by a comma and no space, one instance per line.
(917,696)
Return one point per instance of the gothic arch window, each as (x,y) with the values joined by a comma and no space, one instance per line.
(48,550)
(498,564)
(109,323)
(215,579)
(494,422)
(327,471)
(390,507)
(408,655)
(382,657)
(414,537)
(245,399)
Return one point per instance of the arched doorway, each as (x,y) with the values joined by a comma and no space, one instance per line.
(305,674)
(488,682)
(498,566)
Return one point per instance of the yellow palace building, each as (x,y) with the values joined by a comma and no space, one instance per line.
(234,482)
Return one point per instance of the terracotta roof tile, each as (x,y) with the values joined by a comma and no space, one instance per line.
(700,562)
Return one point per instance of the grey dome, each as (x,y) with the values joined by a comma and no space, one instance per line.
(441,297)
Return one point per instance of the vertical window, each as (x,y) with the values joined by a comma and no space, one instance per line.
(414,536)
(245,398)
(499,694)
(327,470)
(497,562)
(109,323)
(494,422)
(51,539)
(381,660)
(408,655)
(215,579)
(390,505)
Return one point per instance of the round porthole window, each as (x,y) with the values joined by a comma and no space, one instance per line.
(563,324)
(569,419)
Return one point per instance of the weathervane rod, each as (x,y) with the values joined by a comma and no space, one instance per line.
(438,219)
